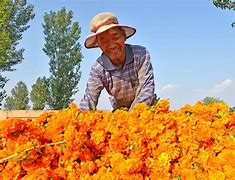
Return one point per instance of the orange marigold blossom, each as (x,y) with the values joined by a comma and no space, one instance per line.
(194,142)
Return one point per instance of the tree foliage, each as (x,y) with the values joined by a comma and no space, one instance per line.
(14,17)
(225,4)
(19,99)
(64,51)
(232,109)
(39,93)
(2,91)
(4,33)
(207,100)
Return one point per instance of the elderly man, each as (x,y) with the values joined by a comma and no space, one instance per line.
(124,70)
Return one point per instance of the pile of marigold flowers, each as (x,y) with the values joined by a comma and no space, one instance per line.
(194,142)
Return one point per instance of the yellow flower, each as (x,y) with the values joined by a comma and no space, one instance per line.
(69,168)
(164,159)
(216,175)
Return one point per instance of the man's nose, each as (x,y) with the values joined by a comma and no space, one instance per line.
(112,45)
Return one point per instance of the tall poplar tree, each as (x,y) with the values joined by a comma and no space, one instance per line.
(64,51)
(14,17)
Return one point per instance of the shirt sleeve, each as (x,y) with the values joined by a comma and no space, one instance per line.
(93,90)
(145,90)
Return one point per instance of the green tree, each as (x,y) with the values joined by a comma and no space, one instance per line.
(232,109)
(207,100)
(14,17)
(225,4)
(39,93)
(4,33)
(19,99)
(64,51)
(2,91)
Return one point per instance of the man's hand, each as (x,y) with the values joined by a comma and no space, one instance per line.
(120,108)
(124,108)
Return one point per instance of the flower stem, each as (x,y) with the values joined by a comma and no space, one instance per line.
(16,154)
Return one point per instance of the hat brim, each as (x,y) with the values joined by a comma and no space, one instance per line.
(91,41)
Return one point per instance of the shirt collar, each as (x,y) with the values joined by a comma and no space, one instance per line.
(105,61)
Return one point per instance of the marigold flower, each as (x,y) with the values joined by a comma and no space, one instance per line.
(194,142)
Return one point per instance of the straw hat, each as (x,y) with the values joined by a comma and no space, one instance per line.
(102,22)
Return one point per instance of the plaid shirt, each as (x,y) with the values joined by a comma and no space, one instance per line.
(134,83)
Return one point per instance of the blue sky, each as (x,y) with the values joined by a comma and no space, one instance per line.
(191,42)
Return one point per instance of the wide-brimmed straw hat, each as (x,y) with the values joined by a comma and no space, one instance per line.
(102,22)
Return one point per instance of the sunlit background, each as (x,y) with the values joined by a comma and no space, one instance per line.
(192,46)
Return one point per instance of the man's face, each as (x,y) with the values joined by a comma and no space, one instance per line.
(112,43)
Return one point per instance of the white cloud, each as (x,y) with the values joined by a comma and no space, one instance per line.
(227,83)
(217,88)
(168,88)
